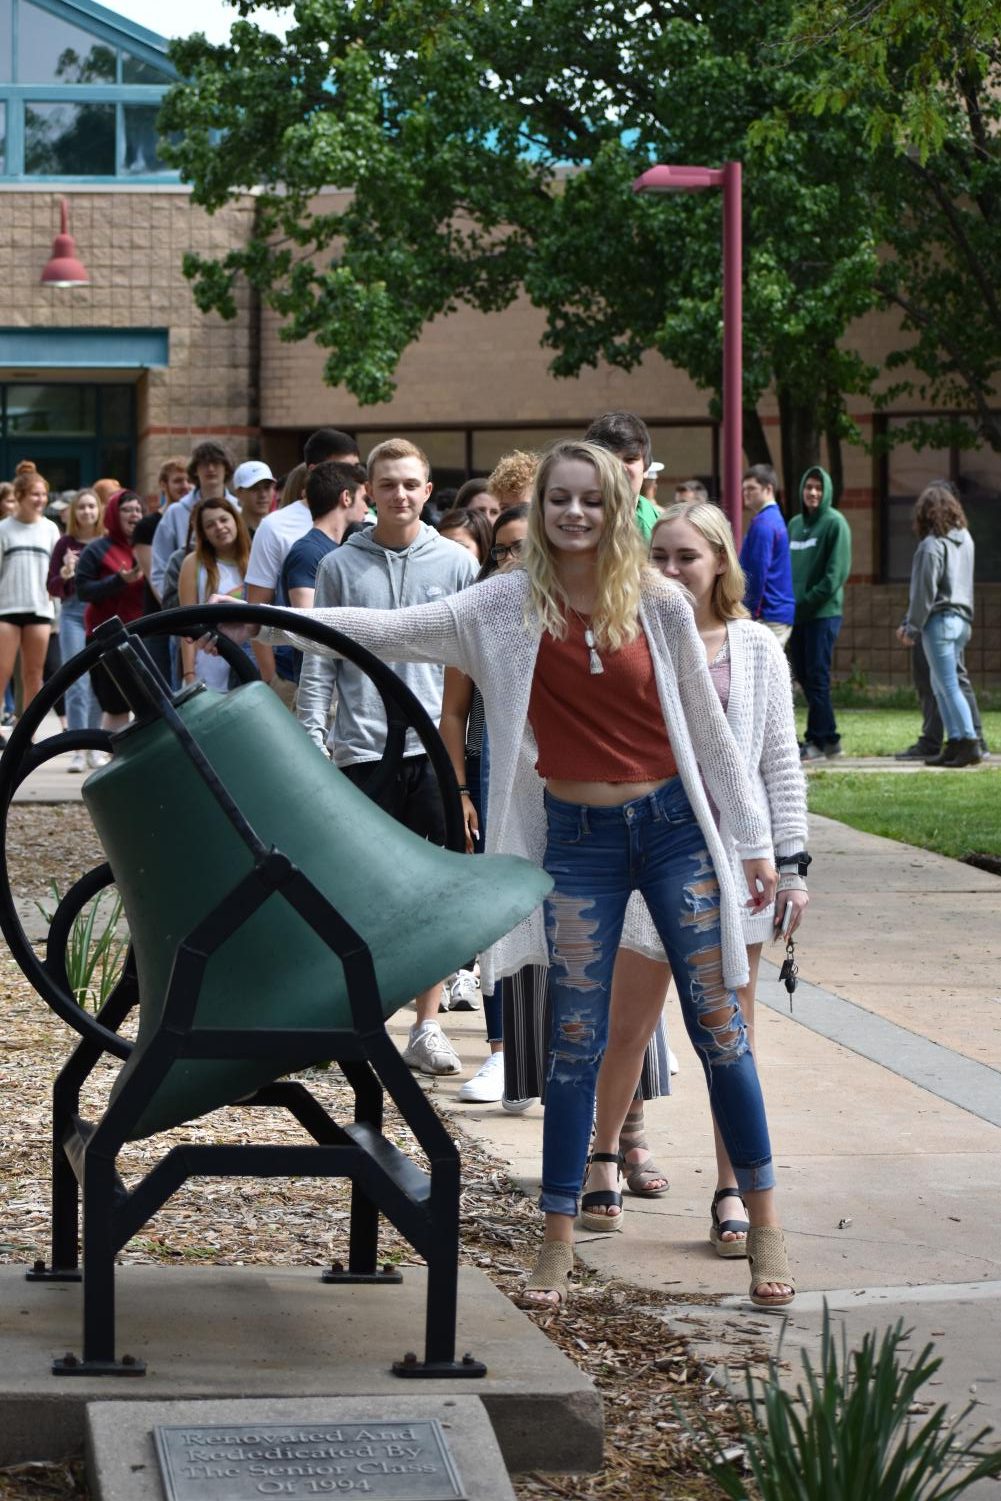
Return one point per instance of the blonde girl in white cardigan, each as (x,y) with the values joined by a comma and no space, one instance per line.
(693,545)
(584,626)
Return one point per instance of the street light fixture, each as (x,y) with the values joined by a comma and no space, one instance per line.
(63,268)
(672,179)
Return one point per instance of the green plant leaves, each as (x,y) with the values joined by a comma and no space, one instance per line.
(851,1429)
(95,949)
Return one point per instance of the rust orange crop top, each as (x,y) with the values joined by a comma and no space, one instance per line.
(604,727)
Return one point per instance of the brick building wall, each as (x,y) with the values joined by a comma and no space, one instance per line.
(867,643)
(467,367)
(132,243)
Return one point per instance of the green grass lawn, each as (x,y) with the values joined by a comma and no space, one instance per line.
(955,813)
(880,732)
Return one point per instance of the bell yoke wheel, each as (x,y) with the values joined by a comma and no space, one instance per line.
(21,757)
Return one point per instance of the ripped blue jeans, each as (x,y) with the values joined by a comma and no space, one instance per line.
(597,857)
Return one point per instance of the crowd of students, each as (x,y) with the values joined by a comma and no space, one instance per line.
(613,693)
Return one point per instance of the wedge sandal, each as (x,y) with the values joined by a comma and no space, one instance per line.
(598,1198)
(639,1175)
(766,1253)
(551,1274)
(730,1250)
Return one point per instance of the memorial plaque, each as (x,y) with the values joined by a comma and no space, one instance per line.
(375,1460)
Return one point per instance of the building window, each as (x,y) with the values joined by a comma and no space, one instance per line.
(6,41)
(69,140)
(50,50)
(134,70)
(906,470)
(69,411)
(75,432)
(687,449)
(77,103)
(140,155)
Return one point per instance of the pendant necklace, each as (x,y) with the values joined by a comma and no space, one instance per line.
(594,662)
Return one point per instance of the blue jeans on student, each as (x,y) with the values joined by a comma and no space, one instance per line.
(944,637)
(82,709)
(811,652)
(597,857)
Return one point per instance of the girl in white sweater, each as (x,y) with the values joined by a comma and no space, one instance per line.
(601,716)
(693,545)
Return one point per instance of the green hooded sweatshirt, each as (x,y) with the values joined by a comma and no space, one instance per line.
(820,548)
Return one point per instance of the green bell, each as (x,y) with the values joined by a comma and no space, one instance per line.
(421,910)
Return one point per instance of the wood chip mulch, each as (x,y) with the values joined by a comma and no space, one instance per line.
(649,1380)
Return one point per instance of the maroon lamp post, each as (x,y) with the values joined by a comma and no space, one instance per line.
(671,179)
(64,268)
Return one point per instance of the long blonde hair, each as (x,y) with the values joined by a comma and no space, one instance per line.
(621,567)
(73,520)
(711,523)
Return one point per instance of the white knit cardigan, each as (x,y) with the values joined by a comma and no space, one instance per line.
(483,632)
(759,712)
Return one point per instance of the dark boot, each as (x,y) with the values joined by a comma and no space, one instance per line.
(947,755)
(967,754)
(917,752)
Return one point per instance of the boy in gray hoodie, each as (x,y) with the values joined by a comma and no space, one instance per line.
(397,562)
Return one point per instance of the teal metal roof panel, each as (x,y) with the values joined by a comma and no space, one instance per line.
(84,348)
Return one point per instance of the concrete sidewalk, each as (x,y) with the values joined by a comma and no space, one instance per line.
(884,1094)
(888,763)
(53,782)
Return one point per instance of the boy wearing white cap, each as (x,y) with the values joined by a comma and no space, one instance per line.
(255,490)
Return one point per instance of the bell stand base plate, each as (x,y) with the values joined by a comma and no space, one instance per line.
(42,1273)
(71,1365)
(436,1369)
(337,1273)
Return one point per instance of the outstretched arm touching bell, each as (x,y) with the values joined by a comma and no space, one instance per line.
(418,633)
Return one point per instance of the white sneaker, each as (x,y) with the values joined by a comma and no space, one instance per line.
(97,758)
(78,762)
(430,1051)
(673,1066)
(463,991)
(517,1107)
(487,1085)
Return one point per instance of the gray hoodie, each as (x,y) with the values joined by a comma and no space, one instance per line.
(941,578)
(362,572)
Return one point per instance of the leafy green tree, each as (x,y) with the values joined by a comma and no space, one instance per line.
(491,146)
(390,102)
(927,79)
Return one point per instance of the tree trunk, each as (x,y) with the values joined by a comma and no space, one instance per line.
(800,445)
(756,445)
